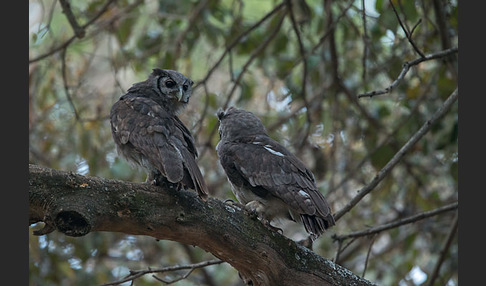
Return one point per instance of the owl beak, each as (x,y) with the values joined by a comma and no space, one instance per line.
(181,96)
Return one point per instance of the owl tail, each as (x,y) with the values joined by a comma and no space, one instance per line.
(316,225)
(196,176)
(200,185)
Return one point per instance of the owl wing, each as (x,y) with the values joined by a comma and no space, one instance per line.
(190,154)
(267,166)
(162,139)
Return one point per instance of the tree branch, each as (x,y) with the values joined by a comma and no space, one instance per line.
(444,250)
(65,84)
(237,41)
(79,31)
(190,26)
(304,75)
(408,34)
(70,40)
(76,205)
(134,274)
(406,68)
(366,40)
(397,223)
(399,155)
(259,49)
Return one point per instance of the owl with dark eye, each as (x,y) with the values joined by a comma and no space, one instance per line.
(148,133)
(266,177)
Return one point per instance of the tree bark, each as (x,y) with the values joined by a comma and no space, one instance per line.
(76,205)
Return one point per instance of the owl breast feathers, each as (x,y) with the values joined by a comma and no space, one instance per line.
(266,177)
(148,133)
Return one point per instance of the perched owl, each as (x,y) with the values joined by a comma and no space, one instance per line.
(266,177)
(148,133)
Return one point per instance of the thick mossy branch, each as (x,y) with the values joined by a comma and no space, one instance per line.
(76,205)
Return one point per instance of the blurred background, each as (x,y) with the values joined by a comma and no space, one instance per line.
(298,65)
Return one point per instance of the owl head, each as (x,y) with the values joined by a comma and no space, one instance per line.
(236,123)
(170,89)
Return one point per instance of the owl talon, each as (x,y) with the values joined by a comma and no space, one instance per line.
(267,224)
(252,214)
(157,182)
(153,179)
(162,182)
(276,229)
(234,203)
(306,242)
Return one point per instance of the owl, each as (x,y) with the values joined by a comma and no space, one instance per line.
(148,133)
(267,178)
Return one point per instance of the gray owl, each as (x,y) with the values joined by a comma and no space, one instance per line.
(148,133)
(266,177)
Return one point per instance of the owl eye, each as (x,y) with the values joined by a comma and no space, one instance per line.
(185,87)
(170,83)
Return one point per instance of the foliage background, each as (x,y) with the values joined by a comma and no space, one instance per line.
(300,72)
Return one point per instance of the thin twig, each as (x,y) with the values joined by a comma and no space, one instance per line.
(208,278)
(338,251)
(304,77)
(415,26)
(368,255)
(167,282)
(304,58)
(399,155)
(238,39)
(79,31)
(134,274)
(341,249)
(441,20)
(66,87)
(397,223)
(253,56)
(365,40)
(405,30)
(54,50)
(322,39)
(388,139)
(406,68)
(230,66)
(332,41)
(445,250)
(190,26)
(199,124)
(70,40)
(337,78)
(331,27)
